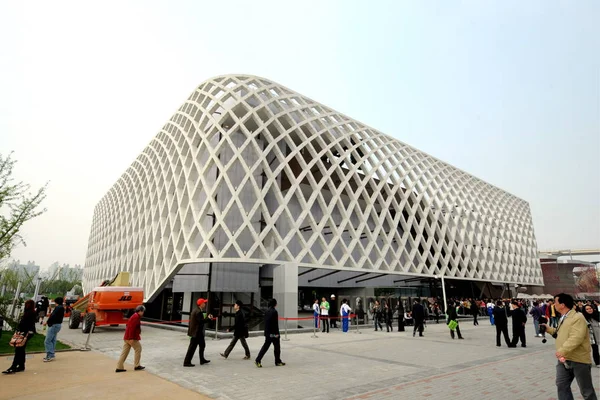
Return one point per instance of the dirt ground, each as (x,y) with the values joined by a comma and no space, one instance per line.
(85,375)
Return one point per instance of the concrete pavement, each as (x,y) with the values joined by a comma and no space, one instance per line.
(377,365)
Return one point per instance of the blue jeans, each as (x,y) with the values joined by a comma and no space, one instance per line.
(536,326)
(50,342)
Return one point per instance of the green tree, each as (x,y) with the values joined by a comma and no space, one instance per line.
(17,206)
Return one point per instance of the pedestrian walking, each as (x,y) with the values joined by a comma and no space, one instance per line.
(389,317)
(132,338)
(436,312)
(518,324)
(316,312)
(345,313)
(475,312)
(490,311)
(501,321)
(271,335)
(54,324)
(198,318)
(453,320)
(536,313)
(572,350)
(42,308)
(240,331)
(325,315)
(377,314)
(592,317)
(26,327)
(552,314)
(418,314)
(400,315)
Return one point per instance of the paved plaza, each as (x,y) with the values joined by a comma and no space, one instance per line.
(369,365)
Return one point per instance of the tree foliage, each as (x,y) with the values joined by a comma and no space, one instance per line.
(17,206)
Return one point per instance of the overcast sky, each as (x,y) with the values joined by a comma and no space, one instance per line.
(505,90)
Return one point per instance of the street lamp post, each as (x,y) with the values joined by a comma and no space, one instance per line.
(443,292)
(37,288)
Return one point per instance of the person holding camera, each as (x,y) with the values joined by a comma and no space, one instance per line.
(572,350)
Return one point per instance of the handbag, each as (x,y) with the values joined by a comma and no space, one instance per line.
(452,325)
(18,340)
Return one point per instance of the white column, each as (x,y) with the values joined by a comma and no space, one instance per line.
(285,291)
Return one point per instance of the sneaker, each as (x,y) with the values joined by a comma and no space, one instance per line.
(280,364)
(246,358)
(258,364)
(48,359)
(139,368)
(189,365)
(120,370)
(223,355)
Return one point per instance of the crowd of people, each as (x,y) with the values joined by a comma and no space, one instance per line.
(574,325)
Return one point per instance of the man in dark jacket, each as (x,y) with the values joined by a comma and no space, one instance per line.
(240,331)
(501,320)
(333,311)
(418,314)
(474,311)
(271,335)
(54,324)
(518,324)
(196,334)
(453,316)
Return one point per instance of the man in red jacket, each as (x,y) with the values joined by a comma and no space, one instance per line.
(132,339)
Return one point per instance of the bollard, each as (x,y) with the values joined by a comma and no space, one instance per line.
(314,330)
(216,329)
(86,347)
(357,331)
(285,327)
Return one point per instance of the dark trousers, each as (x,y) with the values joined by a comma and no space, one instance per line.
(518,333)
(19,358)
(418,326)
(194,343)
(325,323)
(437,318)
(401,324)
(475,319)
(457,332)
(388,325)
(596,354)
(582,373)
(233,343)
(502,329)
(265,347)
(377,321)
(333,321)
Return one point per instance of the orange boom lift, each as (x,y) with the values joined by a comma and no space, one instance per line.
(112,304)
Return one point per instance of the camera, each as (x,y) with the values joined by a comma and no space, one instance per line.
(543,320)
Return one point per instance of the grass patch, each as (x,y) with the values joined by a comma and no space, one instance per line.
(36,343)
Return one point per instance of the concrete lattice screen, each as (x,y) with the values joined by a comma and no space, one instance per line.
(249,171)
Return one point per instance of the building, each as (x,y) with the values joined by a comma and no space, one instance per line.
(25,272)
(252,190)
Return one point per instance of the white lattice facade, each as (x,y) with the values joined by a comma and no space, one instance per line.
(250,172)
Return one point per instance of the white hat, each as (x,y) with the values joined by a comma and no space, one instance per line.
(333,296)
